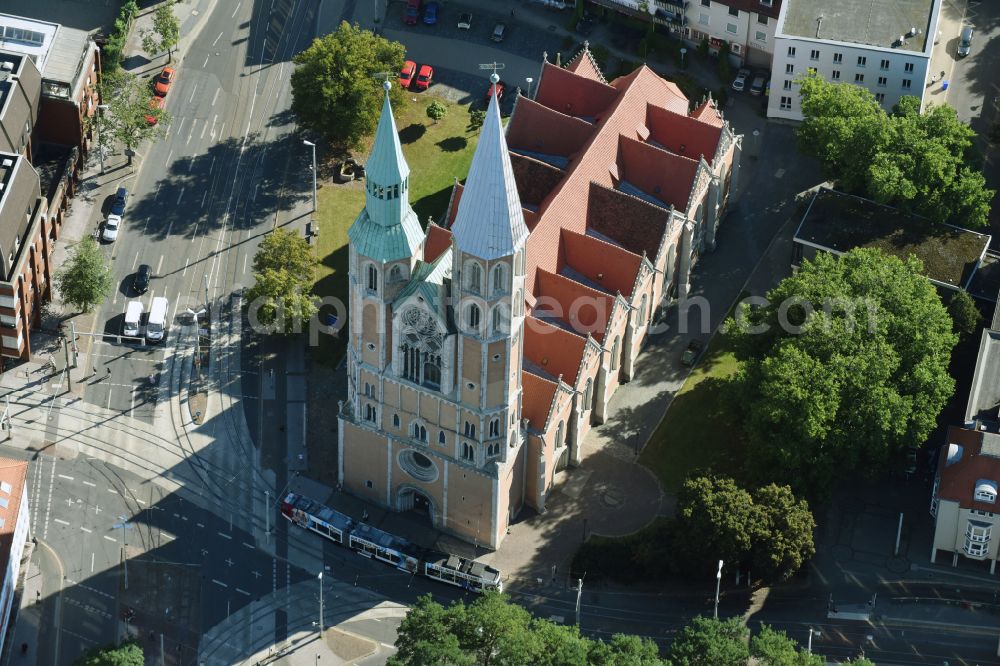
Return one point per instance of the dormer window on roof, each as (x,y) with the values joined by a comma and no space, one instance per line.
(986,491)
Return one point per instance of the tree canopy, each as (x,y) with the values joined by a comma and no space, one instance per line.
(919,162)
(165,34)
(710,641)
(845,366)
(964,313)
(337,84)
(124,120)
(86,279)
(281,297)
(126,654)
(775,648)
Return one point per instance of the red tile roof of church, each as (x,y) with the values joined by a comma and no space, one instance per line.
(555,350)
(572,93)
(605,264)
(665,176)
(537,402)
(708,112)
(586,310)
(584,65)
(681,134)
(438,240)
(540,129)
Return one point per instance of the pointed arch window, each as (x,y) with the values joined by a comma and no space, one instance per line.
(615,351)
(499,279)
(395,420)
(493,450)
(472,317)
(519,262)
(441,438)
(494,428)
(370,413)
(588,395)
(499,323)
(432,374)
(395,274)
(419,432)
(474,278)
(560,437)
(468,452)
(642,312)
(395,191)
(372,279)
(420,348)
(470,429)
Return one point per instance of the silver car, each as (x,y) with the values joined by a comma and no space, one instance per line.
(965,41)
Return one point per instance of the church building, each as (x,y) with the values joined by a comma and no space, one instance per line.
(483,348)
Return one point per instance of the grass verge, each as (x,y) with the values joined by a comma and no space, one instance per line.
(437,154)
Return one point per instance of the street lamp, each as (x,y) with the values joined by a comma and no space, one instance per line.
(100,146)
(683,53)
(320,577)
(313,146)
(718,581)
(529,81)
(812,632)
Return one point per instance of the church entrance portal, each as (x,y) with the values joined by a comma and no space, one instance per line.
(416,502)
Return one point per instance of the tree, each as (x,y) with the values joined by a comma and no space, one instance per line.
(718,517)
(920,162)
(336,90)
(846,365)
(436,111)
(476,119)
(126,654)
(775,648)
(286,250)
(425,636)
(280,302)
(124,121)
(707,641)
(165,34)
(785,533)
(625,650)
(86,279)
(964,313)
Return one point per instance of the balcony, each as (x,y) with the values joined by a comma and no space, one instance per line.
(671,5)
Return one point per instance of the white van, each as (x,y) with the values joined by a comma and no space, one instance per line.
(156,325)
(133,319)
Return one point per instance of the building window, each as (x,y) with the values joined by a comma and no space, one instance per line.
(560,437)
(372,279)
(862,61)
(703,18)
(615,351)
(786,103)
(731,28)
(814,54)
(474,278)
(518,304)
(441,438)
(791,51)
(859,78)
(706,3)
(493,450)
(789,68)
(906,84)
(588,395)
(880,97)
(977,538)
(882,81)
(468,453)
(432,373)
(761,36)
(395,420)
(733,11)
(470,429)
(499,279)
(787,85)
(370,413)
(838,58)
(472,317)
(986,491)
(884,65)
(419,432)
(835,75)
(642,310)
(499,323)
(908,68)
(494,428)
(767,3)
(761,19)
(395,274)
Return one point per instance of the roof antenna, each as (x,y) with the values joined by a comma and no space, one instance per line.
(819,24)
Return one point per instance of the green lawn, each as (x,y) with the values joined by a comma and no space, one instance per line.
(701,427)
(436,153)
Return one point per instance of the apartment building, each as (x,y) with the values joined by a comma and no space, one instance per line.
(882,45)
(14,533)
(20,88)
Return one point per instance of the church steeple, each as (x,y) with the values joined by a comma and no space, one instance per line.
(387,229)
(489,223)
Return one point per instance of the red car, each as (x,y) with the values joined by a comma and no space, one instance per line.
(163,81)
(424,77)
(406,75)
(500,87)
(412,14)
(155,104)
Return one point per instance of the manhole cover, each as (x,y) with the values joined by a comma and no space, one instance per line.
(613,497)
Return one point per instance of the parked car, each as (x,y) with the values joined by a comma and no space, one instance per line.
(412,14)
(757,87)
(693,351)
(431,13)
(965,41)
(740,82)
(118,203)
(499,87)
(155,104)
(406,75)
(162,85)
(424,77)
(111,226)
(465,21)
(499,32)
(140,283)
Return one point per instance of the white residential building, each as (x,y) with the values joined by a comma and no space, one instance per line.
(13,532)
(883,45)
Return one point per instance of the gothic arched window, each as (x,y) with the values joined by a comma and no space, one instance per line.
(395,274)
(615,351)
(472,317)
(474,278)
(420,348)
(499,279)
(588,395)
(372,283)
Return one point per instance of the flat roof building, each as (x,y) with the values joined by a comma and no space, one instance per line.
(20,88)
(13,532)
(882,45)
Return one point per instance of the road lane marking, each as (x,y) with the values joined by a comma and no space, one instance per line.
(115,299)
(92,563)
(194,234)
(224,535)
(243,592)
(180,196)
(131,407)
(111,539)
(203,197)
(203,128)
(112,490)
(203,66)
(212,165)
(237,8)
(87,530)
(185,267)
(169,155)
(179,128)
(196,87)
(159,266)
(219,583)
(88,483)
(217,39)
(135,261)
(109,399)
(63,476)
(60,521)
(248,545)
(191,161)
(245,256)
(199,524)
(143,502)
(215,96)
